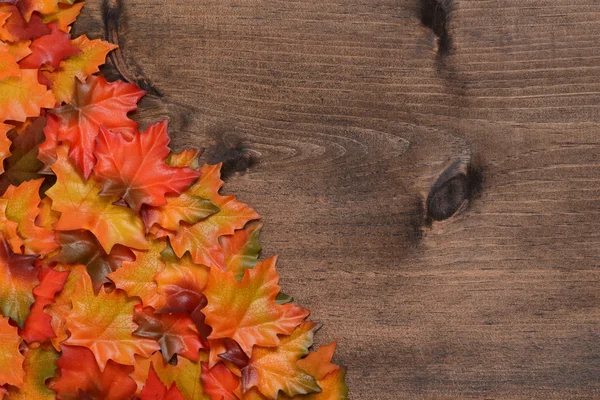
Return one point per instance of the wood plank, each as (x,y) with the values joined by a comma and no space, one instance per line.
(336,121)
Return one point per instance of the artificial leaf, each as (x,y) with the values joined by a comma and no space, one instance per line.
(22,208)
(47,216)
(8,63)
(22,96)
(174,332)
(318,364)
(181,283)
(275,369)
(66,15)
(16,28)
(23,164)
(80,66)
(60,308)
(219,382)
(103,324)
(246,311)
(186,375)
(201,238)
(82,247)
(49,50)
(137,277)
(228,350)
(4,144)
(18,277)
(19,50)
(241,249)
(156,390)
(182,208)
(134,168)
(11,360)
(96,103)
(186,158)
(38,325)
(80,374)
(39,366)
(333,387)
(8,229)
(82,208)
(28,7)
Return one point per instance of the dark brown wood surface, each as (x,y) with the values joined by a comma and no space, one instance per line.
(357,128)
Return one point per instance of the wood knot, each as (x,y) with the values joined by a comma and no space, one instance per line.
(453,191)
(236,159)
(434,15)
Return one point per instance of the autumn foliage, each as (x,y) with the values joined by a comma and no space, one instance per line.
(124,273)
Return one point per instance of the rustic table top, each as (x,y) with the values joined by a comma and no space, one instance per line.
(428,172)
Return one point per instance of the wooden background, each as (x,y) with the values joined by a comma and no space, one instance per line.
(357,128)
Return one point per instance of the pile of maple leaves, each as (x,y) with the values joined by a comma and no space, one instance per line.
(123,272)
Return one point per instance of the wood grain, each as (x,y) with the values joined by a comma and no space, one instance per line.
(342,124)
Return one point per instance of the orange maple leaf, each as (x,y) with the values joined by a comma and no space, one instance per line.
(241,250)
(23,96)
(39,366)
(80,66)
(66,15)
(28,7)
(22,208)
(275,369)
(219,382)
(134,168)
(201,238)
(104,324)
(96,103)
(246,311)
(82,208)
(11,360)
(136,278)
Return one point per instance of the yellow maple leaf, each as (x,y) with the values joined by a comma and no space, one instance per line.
(40,366)
(23,96)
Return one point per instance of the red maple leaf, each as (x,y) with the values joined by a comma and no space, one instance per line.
(135,167)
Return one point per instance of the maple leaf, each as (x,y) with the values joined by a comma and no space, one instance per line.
(219,382)
(11,360)
(274,369)
(318,364)
(241,249)
(201,238)
(39,366)
(18,277)
(156,390)
(182,208)
(22,208)
(246,311)
(135,169)
(181,283)
(23,164)
(137,277)
(59,309)
(80,66)
(186,158)
(186,375)
(37,327)
(103,324)
(16,28)
(49,49)
(82,208)
(66,15)
(80,374)
(23,96)
(96,103)
(82,247)
(28,7)
(8,64)
(8,229)
(174,332)
(4,144)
